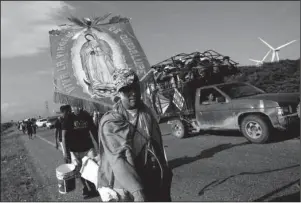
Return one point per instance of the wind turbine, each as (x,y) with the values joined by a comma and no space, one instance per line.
(258,62)
(275,51)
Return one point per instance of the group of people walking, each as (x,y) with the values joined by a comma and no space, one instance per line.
(28,127)
(126,143)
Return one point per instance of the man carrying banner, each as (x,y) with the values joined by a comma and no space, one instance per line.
(133,161)
(76,129)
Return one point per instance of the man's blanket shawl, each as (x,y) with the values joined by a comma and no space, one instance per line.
(116,139)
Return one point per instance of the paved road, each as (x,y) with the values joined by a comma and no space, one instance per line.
(206,168)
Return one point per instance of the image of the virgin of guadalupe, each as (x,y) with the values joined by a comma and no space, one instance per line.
(96,58)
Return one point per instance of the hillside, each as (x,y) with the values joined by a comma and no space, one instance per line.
(282,76)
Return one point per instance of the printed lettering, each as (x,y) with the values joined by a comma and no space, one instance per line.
(59,55)
(64,76)
(133,52)
(63,68)
(61,48)
(60,63)
(68,86)
(69,90)
(63,43)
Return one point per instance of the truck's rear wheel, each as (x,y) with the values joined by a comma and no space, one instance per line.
(178,129)
(256,129)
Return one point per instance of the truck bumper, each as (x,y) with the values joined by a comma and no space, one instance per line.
(288,122)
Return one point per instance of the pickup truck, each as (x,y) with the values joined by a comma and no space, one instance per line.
(239,106)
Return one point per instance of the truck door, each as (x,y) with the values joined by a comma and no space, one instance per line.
(213,109)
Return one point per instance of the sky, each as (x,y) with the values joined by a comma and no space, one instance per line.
(163,28)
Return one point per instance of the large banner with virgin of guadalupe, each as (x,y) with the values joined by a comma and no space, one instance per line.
(86,53)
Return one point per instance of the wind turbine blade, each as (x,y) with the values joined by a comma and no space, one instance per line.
(257,61)
(277,56)
(285,44)
(273,56)
(266,55)
(266,43)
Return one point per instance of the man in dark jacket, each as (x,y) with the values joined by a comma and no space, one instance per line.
(29,128)
(132,157)
(34,126)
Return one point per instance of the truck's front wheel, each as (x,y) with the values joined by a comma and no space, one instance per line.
(178,128)
(256,129)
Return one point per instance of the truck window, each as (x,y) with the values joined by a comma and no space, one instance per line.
(238,90)
(209,96)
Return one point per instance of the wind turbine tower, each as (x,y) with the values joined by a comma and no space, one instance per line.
(276,50)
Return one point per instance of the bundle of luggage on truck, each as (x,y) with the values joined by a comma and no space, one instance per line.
(177,78)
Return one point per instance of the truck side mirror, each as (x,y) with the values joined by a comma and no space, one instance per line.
(220,99)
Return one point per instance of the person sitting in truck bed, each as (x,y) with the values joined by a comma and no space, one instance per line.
(228,66)
(211,99)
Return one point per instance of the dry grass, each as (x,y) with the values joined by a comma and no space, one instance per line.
(17,184)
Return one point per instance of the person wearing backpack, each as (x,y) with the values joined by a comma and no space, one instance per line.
(132,158)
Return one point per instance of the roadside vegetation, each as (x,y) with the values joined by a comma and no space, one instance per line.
(282,76)
(17,181)
(6,126)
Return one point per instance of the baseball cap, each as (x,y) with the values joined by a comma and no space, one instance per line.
(124,77)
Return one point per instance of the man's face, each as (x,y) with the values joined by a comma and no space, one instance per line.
(211,97)
(75,110)
(179,65)
(65,112)
(215,69)
(226,61)
(130,96)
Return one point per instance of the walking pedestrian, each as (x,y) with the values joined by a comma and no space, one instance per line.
(23,127)
(132,160)
(29,129)
(58,134)
(76,139)
(34,126)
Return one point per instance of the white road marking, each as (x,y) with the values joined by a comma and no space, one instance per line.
(51,143)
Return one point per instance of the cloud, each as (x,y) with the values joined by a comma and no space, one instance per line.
(25,26)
